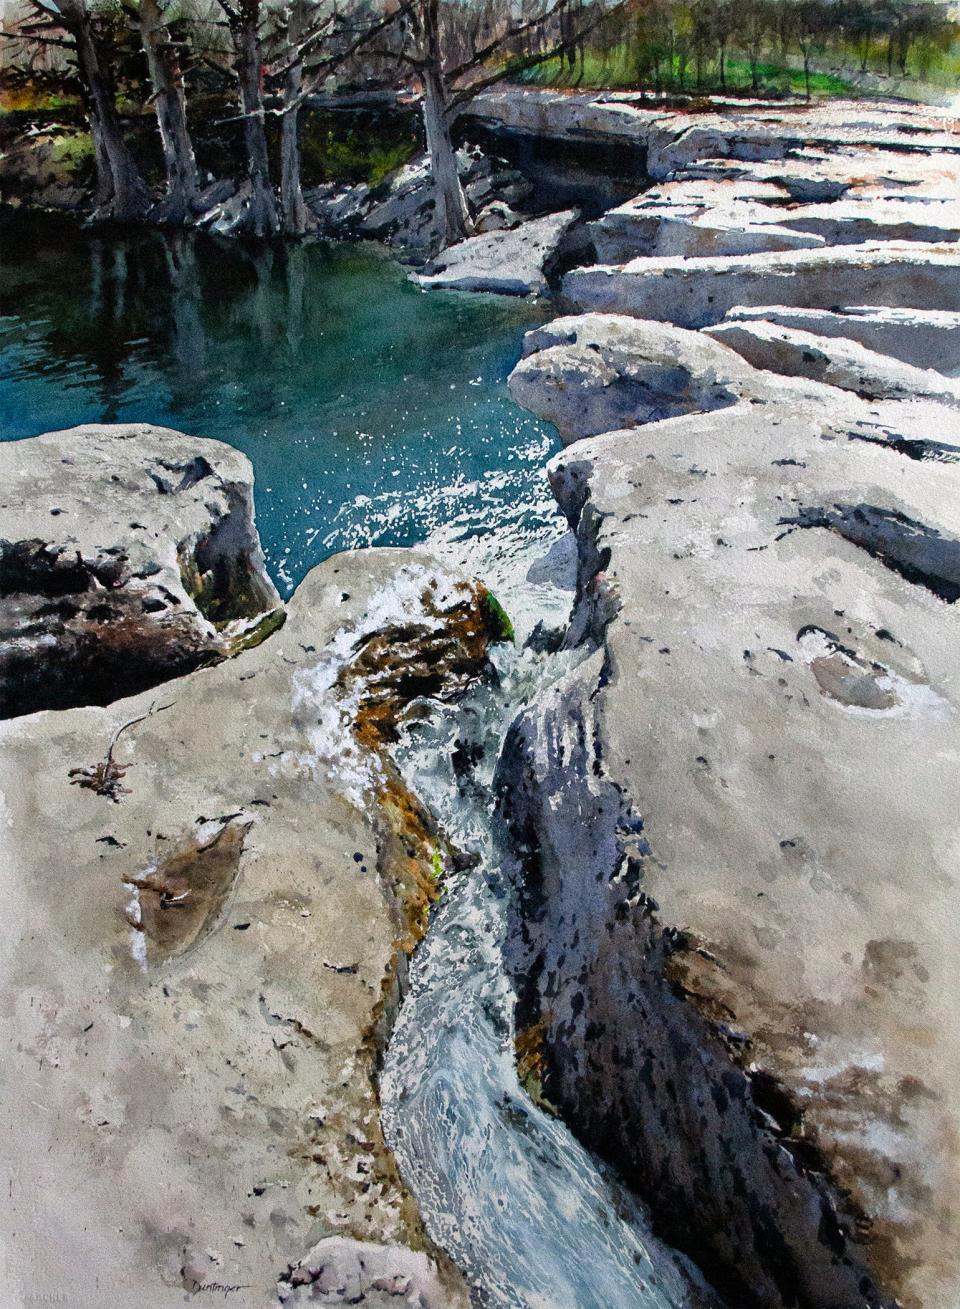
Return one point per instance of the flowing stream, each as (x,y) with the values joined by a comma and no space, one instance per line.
(532,1219)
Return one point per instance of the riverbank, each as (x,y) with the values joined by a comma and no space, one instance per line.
(720,873)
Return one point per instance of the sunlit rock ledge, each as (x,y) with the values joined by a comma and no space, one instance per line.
(735,862)
(212,889)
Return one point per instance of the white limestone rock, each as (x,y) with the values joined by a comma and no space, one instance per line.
(835,361)
(924,338)
(598,372)
(698,292)
(128,555)
(738,899)
(205,927)
(515,262)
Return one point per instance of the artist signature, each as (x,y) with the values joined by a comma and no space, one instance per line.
(217,1288)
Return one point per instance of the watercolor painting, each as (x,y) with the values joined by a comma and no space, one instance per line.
(480,654)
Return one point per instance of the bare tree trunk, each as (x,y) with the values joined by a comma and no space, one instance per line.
(261,216)
(297,218)
(121,191)
(453,216)
(170,106)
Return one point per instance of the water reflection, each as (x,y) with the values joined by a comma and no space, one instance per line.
(373,413)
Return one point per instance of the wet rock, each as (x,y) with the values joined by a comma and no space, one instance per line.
(128,555)
(197,977)
(517,262)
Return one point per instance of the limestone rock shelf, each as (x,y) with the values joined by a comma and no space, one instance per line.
(732,832)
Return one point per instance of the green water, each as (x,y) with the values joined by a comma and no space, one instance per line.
(373,413)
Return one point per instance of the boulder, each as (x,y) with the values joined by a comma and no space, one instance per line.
(924,338)
(128,555)
(698,292)
(497,217)
(404,215)
(211,892)
(835,361)
(733,943)
(339,210)
(338,1270)
(515,262)
(597,372)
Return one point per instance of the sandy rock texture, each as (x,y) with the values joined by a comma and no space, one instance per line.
(128,555)
(210,893)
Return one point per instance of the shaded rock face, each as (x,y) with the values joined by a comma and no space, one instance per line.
(128,555)
(202,1024)
(401,212)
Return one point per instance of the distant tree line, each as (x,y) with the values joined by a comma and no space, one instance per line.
(266,58)
(688,44)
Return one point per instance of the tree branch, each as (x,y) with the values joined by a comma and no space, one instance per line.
(467,93)
(485,52)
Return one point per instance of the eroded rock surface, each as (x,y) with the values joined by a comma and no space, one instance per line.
(201,962)
(714,826)
(128,555)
